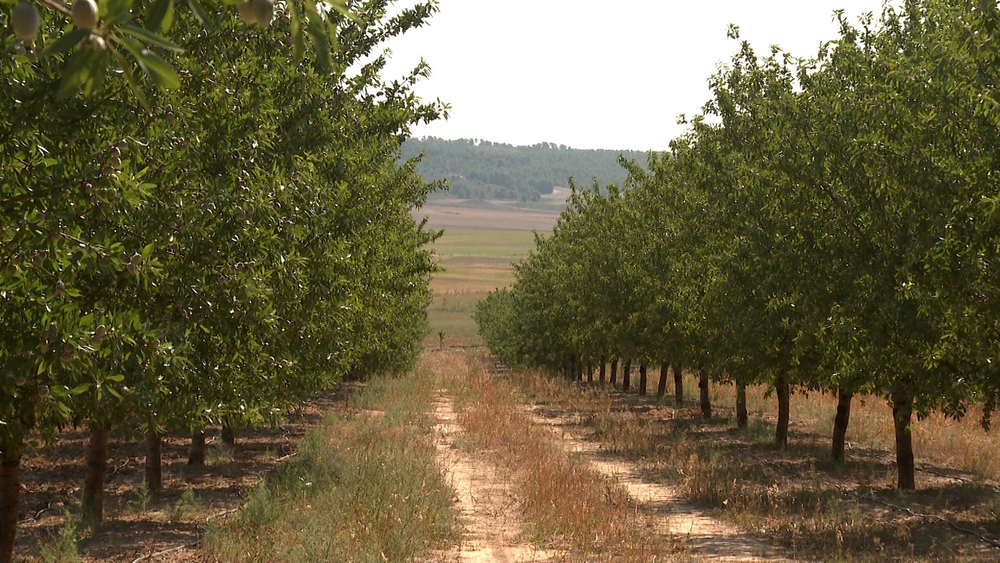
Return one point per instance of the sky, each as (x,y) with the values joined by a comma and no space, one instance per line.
(614,74)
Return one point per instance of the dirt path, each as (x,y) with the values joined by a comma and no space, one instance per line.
(485,500)
(702,535)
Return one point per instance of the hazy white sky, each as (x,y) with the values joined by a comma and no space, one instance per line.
(610,74)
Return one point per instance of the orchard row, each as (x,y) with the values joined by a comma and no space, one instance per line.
(829,223)
(237,245)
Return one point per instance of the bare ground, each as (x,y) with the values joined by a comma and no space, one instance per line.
(702,535)
(161,528)
(488,507)
(451,213)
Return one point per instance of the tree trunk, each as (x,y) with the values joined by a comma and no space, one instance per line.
(902,413)
(228,435)
(154,462)
(10,496)
(614,372)
(579,369)
(643,378)
(840,424)
(590,372)
(783,392)
(97,466)
(741,405)
(572,367)
(197,454)
(604,370)
(627,376)
(661,387)
(678,384)
(706,401)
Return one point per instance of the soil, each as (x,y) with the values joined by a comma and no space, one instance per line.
(702,535)
(484,499)
(451,213)
(53,478)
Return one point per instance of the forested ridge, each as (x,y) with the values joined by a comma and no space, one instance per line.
(480,169)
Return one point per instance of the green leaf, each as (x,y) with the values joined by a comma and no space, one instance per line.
(161,73)
(199,12)
(80,389)
(117,10)
(132,82)
(298,38)
(116,378)
(69,40)
(150,38)
(76,72)
(160,16)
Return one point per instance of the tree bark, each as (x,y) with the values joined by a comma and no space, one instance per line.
(741,405)
(572,367)
(840,424)
(706,401)
(678,384)
(590,372)
(97,466)
(661,387)
(154,461)
(197,454)
(781,388)
(228,435)
(627,375)
(604,370)
(614,372)
(10,497)
(902,413)
(579,369)
(642,378)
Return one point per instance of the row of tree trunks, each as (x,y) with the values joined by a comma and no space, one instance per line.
(678,384)
(228,435)
(642,378)
(97,465)
(154,461)
(661,387)
(840,424)
(10,497)
(783,391)
(197,454)
(902,415)
(741,405)
(706,402)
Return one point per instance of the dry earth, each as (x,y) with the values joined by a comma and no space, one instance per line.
(159,530)
(451,213)
(488,507)
(702,535)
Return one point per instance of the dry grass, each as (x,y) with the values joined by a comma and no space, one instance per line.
(364,487)
(796,496)
(564,500)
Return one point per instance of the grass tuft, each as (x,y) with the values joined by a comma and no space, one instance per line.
(363,487)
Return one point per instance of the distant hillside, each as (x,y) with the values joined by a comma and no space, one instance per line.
(478,169)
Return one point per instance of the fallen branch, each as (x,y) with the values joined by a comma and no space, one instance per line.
(35,517)
(166,551)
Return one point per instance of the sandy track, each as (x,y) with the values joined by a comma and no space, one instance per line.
(702,535)
(485,501)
